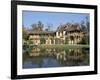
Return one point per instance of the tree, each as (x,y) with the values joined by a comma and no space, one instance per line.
(83,26)
(46,29)
(49,26)
(38,26)
(34,26)
(85,40)
(66,40)
(42,40)
(88,29)
(87,23)
(85,29)
(25,33)
(57,41)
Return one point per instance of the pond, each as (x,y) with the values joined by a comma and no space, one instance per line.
(44,58)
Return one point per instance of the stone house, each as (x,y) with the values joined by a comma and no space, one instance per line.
(65,34)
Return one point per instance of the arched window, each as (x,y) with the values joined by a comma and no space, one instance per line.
(71,37)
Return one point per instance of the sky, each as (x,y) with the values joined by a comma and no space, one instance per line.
(51,18)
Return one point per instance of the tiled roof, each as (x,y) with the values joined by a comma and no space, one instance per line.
(69,27)
(42,32)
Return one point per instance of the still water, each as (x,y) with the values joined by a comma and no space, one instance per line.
(43,58)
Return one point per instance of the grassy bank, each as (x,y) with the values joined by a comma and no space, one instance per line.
(64,46)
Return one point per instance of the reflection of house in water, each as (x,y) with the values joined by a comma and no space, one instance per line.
(41,52)
(69,57)
(65,34)
(75,54)
(61,55)
(35,52)
(73,57)
(70,54)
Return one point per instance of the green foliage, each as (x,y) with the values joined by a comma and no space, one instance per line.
(85,40)
(66,40)
(57,41)
(25,33)
(27,46)
(42,40)
(52,40)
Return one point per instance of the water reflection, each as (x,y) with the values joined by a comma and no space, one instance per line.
(40,58)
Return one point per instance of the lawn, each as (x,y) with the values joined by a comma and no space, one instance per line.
(62,46)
